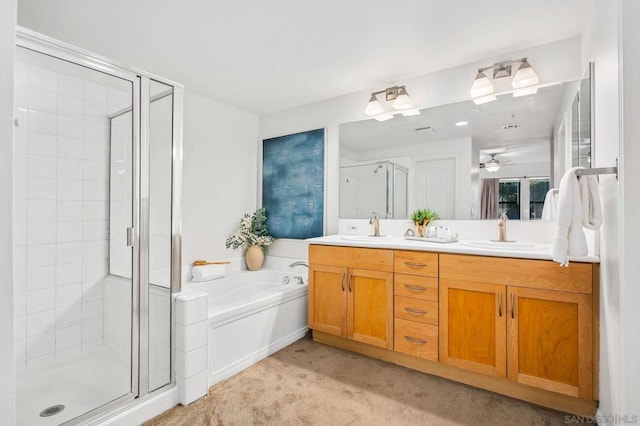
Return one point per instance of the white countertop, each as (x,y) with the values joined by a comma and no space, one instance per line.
(399,243)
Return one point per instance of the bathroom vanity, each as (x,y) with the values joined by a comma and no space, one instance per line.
(515,323)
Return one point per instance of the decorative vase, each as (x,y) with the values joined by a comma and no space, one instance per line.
(420,227)
(254,258)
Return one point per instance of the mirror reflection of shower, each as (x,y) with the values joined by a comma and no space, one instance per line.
(380,186)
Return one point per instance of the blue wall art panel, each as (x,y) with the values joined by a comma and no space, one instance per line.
(293,184)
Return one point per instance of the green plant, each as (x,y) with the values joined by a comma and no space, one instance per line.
(419,216)
(252,231)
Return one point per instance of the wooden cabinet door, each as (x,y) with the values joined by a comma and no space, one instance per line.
(473,326)
(550,340)
(370,307)
(328,299)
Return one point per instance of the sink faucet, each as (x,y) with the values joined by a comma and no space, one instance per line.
(299,263)
(376,224)
(502,226)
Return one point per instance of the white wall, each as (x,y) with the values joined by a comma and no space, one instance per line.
(219,175)
(7,58)
(600,45)
(630,211)
(553,62)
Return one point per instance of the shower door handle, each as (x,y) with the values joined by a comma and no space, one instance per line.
(130,236)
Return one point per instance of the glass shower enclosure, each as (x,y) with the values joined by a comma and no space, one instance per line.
(97,152)
(379,187)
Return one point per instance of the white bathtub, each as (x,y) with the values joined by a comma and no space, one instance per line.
(251,316)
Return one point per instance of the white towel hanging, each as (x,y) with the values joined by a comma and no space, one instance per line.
(550,206)
(590,197)
(570,239)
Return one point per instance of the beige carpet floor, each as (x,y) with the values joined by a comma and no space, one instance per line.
(312,384)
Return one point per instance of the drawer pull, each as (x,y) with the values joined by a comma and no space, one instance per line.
(513,306)
(415,287)
(415,311)
(342,281)
(414,264)
(500,304)
(414,340)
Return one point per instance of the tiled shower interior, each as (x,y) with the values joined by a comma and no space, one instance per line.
(72,185)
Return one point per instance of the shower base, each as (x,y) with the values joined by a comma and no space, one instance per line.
(82,383)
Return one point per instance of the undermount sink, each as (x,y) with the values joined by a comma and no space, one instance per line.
(368,238)
(501,245)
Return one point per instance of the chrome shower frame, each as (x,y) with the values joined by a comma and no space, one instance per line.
(140,80)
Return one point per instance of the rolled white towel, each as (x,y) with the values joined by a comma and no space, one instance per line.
(208,272)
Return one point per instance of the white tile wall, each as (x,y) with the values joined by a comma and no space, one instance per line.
(191,346)
(61,163)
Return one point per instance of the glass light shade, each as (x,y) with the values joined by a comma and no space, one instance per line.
(383,117)
(402,101)
(525,76)
(484,99)
(492,165)
(373,107)
(482,86)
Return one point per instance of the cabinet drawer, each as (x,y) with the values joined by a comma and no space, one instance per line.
(419,287)
(541,274)
(352,257)
(424,311)
(416,263)
(413,338)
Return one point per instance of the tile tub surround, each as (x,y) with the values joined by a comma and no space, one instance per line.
(249,315)
(191,353)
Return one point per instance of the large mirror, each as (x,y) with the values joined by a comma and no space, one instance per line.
(446,157)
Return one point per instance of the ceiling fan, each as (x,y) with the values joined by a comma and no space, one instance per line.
(493,165)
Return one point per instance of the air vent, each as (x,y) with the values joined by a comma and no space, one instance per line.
(510,126)
(424,129)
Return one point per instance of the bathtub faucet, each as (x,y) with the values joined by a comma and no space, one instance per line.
(299,263)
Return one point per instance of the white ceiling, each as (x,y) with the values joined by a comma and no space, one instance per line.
(266,56)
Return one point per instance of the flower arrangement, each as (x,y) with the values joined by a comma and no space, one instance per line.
(252,231)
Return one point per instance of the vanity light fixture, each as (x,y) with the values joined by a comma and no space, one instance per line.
(525,76)
(482,86)
(524,80)
(373,107)
(401,102)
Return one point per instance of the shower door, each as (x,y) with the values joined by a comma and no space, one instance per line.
(74,216)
